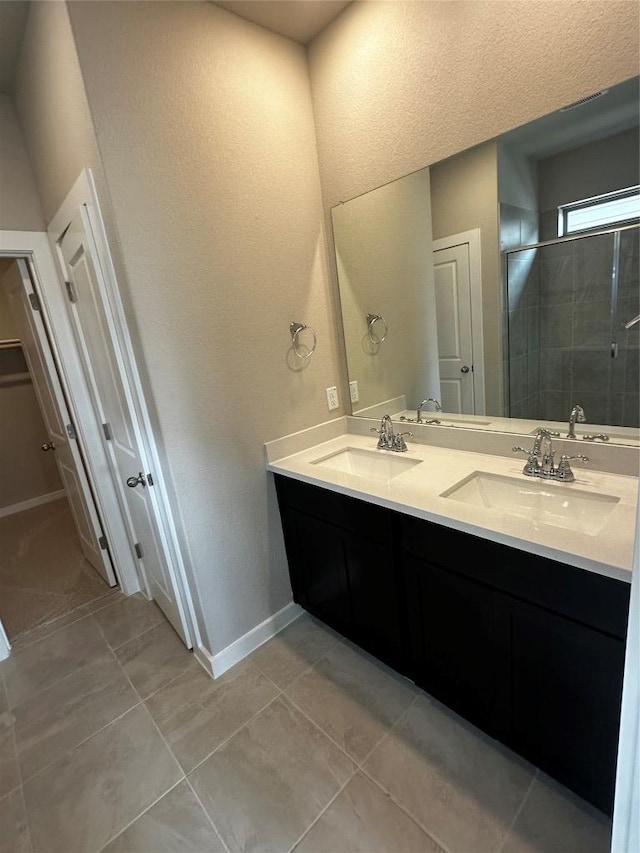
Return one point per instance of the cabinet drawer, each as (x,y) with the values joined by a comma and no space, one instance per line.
(584,596)
(364,519)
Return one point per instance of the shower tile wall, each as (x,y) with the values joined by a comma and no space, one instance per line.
(520,313)
(561,329)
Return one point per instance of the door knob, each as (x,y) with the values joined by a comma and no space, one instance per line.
(464,369)
(132,482)
(48,446)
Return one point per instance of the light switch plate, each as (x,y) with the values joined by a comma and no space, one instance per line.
(332,398)
(353,391)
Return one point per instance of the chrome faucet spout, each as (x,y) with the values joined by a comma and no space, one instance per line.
(436,406)
(577,414)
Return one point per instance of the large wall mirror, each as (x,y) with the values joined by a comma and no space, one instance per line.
(500,288)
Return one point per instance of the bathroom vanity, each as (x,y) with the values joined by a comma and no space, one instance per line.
(509,614)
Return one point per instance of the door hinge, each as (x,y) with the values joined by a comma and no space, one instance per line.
(102,542)
(34,299)
(149,480)
(71,291)
(106,429)
(138,550)
(71,432)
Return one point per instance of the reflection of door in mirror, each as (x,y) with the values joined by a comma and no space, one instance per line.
(458,286)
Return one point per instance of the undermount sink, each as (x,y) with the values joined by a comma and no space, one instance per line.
(374,464)
(535,499)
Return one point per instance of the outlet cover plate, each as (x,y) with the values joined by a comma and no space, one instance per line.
(353,391)
(332,398)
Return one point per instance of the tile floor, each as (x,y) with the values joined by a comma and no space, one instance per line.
(43,572)
(112,738)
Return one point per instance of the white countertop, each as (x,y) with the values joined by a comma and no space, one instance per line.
(418,491)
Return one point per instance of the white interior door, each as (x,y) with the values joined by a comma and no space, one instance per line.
(103,366)
(455,339)
(46,382)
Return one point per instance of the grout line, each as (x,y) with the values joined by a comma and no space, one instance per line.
(233,734)
(135,636)
(80,743)
(26,818)
(322,811)
(144,811)
(48,636)
(519,810)
(207,815)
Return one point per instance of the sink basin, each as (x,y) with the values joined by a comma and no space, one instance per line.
(538,500)
(374,464)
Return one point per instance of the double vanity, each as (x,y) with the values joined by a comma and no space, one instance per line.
(503,595)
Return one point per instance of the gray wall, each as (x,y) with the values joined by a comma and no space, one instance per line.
(19,202)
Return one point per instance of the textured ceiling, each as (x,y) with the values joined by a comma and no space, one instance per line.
(13,17)
(300,20)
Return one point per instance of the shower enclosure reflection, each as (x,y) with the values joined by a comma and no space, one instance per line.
(568,304)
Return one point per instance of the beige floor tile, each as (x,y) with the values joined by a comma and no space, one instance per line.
(85,798)
(111,597)
(175,824)
(154,658)
(196,714)
(353,698)
(43,572)
(363,819)
(553,820)
(9,773)
(42,631)
(54,721)
(294,650)
(463,787)
(127,618)
(14,834)
(41,665)
(266,785)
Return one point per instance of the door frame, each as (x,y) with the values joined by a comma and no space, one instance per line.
(33,247)
(472,240)
(83,195)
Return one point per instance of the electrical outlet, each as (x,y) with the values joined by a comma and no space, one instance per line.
(332,398)
(353,391)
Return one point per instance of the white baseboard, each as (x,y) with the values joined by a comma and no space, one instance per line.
(218,664)
(32,502)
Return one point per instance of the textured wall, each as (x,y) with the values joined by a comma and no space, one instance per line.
(206,131)
(19,202)
(402,85)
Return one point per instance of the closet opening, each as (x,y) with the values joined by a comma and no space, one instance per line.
(54,558)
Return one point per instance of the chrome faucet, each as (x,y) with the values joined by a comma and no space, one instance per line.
(540,459)
(577,414)
(436,406)
(388,439)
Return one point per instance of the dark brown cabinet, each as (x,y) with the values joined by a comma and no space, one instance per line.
(528,649)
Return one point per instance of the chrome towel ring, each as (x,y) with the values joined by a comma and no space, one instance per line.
(296,329)
(372,319)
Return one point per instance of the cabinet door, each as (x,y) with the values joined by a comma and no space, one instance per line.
(378,624)
(316,554)
(452,639)
(562,709)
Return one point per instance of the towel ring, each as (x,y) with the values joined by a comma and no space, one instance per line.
(371,320)
(295,329)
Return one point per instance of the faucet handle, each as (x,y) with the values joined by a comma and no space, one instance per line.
(399,443)
(563,471)
(531,465)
